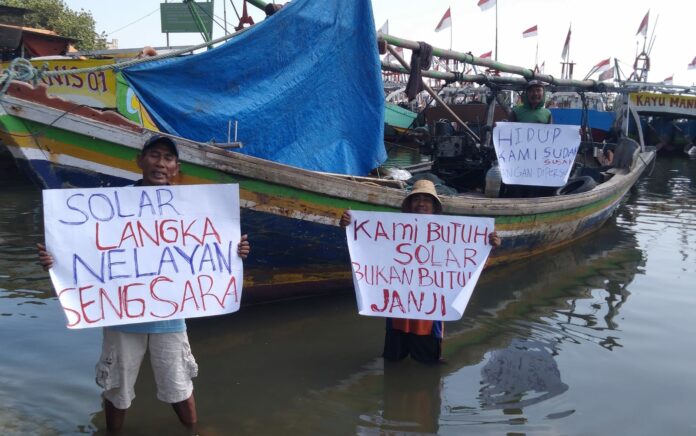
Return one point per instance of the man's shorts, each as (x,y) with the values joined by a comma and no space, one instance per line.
(122,353)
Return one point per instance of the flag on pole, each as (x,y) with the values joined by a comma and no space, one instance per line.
(566,46)
(602,66)
(486,4)
(692,65)
(391,59)
(669,80)
(445,22)
(643,28)
(385,28)
(487,54)
(532,31)
(608,74)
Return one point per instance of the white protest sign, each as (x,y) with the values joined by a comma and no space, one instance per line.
(144,253)
(535,154)
(416,266)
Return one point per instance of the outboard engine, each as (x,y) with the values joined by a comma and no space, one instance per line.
(457,158)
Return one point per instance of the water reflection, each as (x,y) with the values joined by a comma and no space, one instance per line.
(547,346)
(412,397)
(502,357)
(520,375)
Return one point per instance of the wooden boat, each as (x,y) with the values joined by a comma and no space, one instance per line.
(669,119)
(569,108)
(290,213)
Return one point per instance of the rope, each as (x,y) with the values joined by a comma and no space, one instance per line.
(19,69)
(29,73)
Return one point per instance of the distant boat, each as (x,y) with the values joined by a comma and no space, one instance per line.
(567,108)
(397,116)
(668,120)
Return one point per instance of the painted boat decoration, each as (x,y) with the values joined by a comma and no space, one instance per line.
(291,213)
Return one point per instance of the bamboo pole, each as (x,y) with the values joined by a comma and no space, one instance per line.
(258,3)
(435,96)
(526,73)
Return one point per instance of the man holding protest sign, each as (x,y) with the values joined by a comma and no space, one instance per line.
(531,110)
(421,338)
(124,346)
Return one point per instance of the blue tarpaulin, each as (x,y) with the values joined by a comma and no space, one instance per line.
(304,86)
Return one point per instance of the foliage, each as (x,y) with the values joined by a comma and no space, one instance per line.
(55,15)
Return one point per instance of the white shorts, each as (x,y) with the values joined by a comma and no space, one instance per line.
(122,353)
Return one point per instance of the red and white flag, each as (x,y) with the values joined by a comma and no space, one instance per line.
(487,54)
(643,28)
(566,46)
(602,66)
(445,22)
(532,31)
(486,4)
(669,80)
(692,65)
(608,74)
(390,59)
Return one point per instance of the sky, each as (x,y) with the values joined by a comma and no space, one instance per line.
(600,29)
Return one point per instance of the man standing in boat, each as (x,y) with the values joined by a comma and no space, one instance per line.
(532,109)
(422,339)
(124,346)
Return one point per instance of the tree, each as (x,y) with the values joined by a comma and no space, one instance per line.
(55,15)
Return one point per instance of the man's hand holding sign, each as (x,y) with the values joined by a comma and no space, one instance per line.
(416,268)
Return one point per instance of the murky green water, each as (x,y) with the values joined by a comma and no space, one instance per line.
(597,338)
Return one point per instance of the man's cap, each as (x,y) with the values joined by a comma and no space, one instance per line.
(534,83)
(161,139)
(423,186)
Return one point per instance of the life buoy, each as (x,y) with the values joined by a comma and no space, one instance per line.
(577,185)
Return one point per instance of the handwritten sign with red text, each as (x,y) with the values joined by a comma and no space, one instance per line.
(144,253)
(535,154)
(416,266)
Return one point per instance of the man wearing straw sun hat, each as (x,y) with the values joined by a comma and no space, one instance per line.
(422,339)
